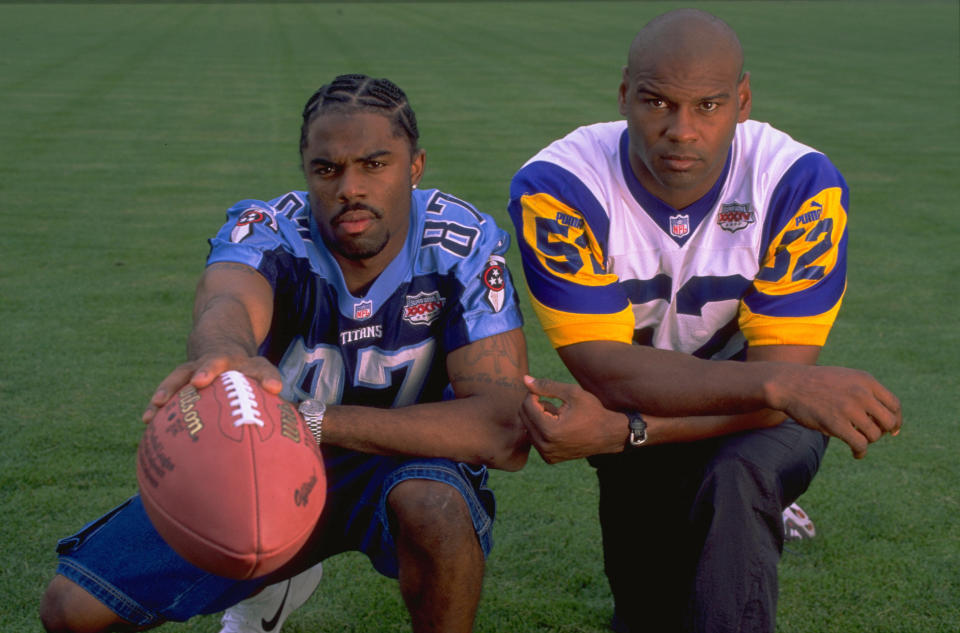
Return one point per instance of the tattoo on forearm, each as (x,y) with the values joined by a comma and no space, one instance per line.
(499,348)
(483,378)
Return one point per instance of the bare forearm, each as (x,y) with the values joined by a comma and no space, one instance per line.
(687,399)
(479,426)
(688,429)
(222,325)
(666,383)
(697,399)
(476,430)
(232,312)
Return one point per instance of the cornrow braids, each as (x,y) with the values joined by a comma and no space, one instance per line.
(347,93)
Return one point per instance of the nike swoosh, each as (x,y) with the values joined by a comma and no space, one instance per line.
(269,625)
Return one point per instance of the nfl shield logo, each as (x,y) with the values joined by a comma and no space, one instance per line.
(679,225)
(362,310)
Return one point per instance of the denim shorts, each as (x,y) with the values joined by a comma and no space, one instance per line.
(121,560)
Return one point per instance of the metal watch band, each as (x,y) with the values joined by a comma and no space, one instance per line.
(312,412)
(638,429)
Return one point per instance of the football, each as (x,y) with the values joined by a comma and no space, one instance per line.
(231,477)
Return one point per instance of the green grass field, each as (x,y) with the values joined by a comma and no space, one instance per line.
(126,130)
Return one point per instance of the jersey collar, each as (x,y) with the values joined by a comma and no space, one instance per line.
(392,277)
(678,224)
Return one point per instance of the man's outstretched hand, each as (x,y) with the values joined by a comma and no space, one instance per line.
(203,371)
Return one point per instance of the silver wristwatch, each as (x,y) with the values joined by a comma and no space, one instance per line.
(312,412)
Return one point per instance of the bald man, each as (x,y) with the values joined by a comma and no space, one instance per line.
(687,264)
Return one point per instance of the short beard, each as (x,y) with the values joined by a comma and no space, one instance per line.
(363,248)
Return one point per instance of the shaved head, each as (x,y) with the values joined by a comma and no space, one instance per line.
(688,36)
(683,92)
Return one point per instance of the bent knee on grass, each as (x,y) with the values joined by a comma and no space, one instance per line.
(67,607)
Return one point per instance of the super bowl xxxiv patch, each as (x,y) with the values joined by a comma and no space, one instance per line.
(422,308)
(494,280)
(244,226)
(735,216)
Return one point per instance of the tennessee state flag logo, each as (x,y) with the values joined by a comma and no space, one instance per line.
(245,223)
(495,282)
(679,225)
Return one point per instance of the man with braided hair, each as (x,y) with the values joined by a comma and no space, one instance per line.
(369,302)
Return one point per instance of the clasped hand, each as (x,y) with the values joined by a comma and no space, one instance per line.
(579,427)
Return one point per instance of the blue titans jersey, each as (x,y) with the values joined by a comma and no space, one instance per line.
(448,287)
(759,260)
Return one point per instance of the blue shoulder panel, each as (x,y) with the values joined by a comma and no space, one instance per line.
(811,174)
(467,248)
(557,286)
(809,206)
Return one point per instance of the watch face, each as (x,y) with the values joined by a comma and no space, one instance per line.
(312,407)
(638,430)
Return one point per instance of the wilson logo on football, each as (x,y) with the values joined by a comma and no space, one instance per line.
(735,216)
(423,308)
(187,399)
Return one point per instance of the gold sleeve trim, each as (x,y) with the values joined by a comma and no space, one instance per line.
(567,328)
(760,329)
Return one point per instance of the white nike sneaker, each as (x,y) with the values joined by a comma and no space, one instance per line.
(266,611)
(796,524)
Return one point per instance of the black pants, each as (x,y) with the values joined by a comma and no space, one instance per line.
(692,533)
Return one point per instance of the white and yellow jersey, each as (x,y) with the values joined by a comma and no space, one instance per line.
(759,260)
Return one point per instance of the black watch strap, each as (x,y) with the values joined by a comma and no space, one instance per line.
(638,429)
